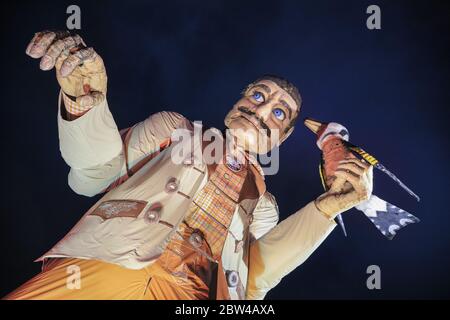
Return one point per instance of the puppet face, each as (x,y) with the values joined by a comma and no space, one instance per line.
(261,119)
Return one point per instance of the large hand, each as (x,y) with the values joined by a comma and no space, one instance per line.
(337,199)
(80,70)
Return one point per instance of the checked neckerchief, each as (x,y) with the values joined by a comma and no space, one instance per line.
(213,206)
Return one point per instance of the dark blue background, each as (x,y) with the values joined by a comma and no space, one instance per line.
(389,87)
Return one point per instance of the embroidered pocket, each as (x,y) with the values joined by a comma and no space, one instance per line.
(119,208)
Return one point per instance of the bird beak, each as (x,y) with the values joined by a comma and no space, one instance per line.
(313,125)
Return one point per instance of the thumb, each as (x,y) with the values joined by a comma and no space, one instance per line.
(90,99)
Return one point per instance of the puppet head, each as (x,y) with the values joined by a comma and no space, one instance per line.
(265,115)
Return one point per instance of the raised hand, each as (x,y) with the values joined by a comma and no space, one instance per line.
(79,69)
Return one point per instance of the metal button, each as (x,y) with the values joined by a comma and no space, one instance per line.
(171,185)
(217,191)
(196,239)
(189,161)
(239,244)
(232,278)
(226,176)
(153,214)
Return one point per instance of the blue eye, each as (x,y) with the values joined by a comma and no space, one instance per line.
(279,114)
(258,96)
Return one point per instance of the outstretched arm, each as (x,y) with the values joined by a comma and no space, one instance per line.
(90,141)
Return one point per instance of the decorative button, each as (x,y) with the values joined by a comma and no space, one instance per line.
(232,278)
(171,185)
(226,176)
(196,239)
(239,244)
(233,164)
(153,214)
(217,191)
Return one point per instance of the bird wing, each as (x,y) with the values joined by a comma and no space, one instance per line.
(368,157)
(373,161)
(322,175)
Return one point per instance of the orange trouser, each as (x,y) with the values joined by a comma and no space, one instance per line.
(103,281)
(180,273)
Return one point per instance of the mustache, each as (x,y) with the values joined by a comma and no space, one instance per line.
(261,122)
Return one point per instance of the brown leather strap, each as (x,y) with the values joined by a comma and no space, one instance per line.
(126,140)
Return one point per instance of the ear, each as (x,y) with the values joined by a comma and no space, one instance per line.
(286,135)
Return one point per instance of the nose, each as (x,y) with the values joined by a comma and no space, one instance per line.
(264,110)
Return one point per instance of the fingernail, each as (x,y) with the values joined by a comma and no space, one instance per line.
(36,52)
(86,101)
(28,49)
(46,63)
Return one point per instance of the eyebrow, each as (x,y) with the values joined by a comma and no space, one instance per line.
(262,86)
(266,88)
(284,103)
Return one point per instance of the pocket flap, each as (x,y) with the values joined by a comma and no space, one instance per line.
(119,208)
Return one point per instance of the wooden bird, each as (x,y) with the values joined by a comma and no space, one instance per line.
(333,141)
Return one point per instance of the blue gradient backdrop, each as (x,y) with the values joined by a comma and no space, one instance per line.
(389,87)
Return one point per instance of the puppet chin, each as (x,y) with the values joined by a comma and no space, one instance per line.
(251,140)
(247,135)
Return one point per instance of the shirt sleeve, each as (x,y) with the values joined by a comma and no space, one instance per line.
(284,248)
(265,216)
(94,149)
(90,140)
